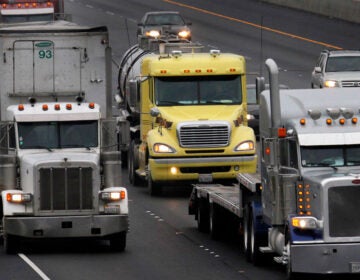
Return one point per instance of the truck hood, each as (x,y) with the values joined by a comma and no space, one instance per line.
(327,174)
(197,113)
(48,159)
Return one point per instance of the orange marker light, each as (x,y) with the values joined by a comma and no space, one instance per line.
(68,106)
(21,107)
(91,105)
(57,107)
(45,107)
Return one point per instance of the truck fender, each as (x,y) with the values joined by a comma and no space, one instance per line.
(260,227)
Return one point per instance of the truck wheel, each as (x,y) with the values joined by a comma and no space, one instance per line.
(10,243)
(203,216)
(118,242)
(256,241)
(153,187)
(247,233)
(215,222)
(133,165)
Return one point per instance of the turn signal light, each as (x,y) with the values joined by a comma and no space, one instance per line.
(18,197)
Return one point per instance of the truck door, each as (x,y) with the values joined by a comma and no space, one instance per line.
(41,69)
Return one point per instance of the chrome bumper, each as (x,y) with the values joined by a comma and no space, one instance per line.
(66,226)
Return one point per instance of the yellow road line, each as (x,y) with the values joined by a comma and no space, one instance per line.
(255,25)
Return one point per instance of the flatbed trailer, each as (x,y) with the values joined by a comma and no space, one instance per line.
(211,202)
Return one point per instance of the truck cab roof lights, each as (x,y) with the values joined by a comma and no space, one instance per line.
(302,121)
(328,121)
(57,107)
(333,113)
(45,107)
(354,120)
(342,121)
(314,114)
(68,106)
(21,107)
(214,53)
(91,105)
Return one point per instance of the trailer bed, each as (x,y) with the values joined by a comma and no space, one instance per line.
(227,197)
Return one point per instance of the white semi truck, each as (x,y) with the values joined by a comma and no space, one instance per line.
(303,205)
(59,158)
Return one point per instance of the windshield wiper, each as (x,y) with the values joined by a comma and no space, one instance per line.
(40,147)
(75,146)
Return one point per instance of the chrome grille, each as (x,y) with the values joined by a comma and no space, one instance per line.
(65,189)
(204,134)
(350,83)
(344,211)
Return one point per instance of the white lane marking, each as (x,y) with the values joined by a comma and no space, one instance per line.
(34,267)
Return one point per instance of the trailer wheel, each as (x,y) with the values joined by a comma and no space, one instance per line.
(118,242)
(10,243)
(256,257)
(246,237)
(133,165)
(153,187)
(215,222)
(203,216)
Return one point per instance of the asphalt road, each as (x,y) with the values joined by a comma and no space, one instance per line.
(163,242)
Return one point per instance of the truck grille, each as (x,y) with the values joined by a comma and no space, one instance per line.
(350,83)
(204,134)
(65,189)
(344,211)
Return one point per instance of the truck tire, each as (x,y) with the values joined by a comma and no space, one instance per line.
(203,216)
(246,237)
(153,187)
(256,257)
(118,242)
(10,243)
(133,165)
(215,224)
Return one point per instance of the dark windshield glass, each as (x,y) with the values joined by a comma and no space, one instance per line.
(50,135)
(198,90)
(330,156)
(343,63)
(164,19)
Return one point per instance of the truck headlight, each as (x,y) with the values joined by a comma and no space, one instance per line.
(245,146)
(153,33)
(18,197)
(250,117)
(331,84)
(306,223)
(113,196)
(163,148)
(184,34)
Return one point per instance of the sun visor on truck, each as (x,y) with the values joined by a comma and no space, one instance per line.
(314,139)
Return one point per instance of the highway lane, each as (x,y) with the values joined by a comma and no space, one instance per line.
(163,242)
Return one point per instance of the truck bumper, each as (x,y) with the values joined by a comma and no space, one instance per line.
(66,226)
(337,258)
(198,169)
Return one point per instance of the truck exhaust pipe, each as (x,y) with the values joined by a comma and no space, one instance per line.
(274,95)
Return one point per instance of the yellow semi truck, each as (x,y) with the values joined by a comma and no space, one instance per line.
(185,111)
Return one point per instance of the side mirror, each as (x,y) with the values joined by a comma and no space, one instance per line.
(317,69)
(154,112)
(134,92)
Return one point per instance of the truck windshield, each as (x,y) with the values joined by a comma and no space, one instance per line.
(316,156)
(198,90)
(52,135)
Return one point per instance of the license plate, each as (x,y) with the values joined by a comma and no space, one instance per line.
(205,178)
(355,267)
(112,209)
